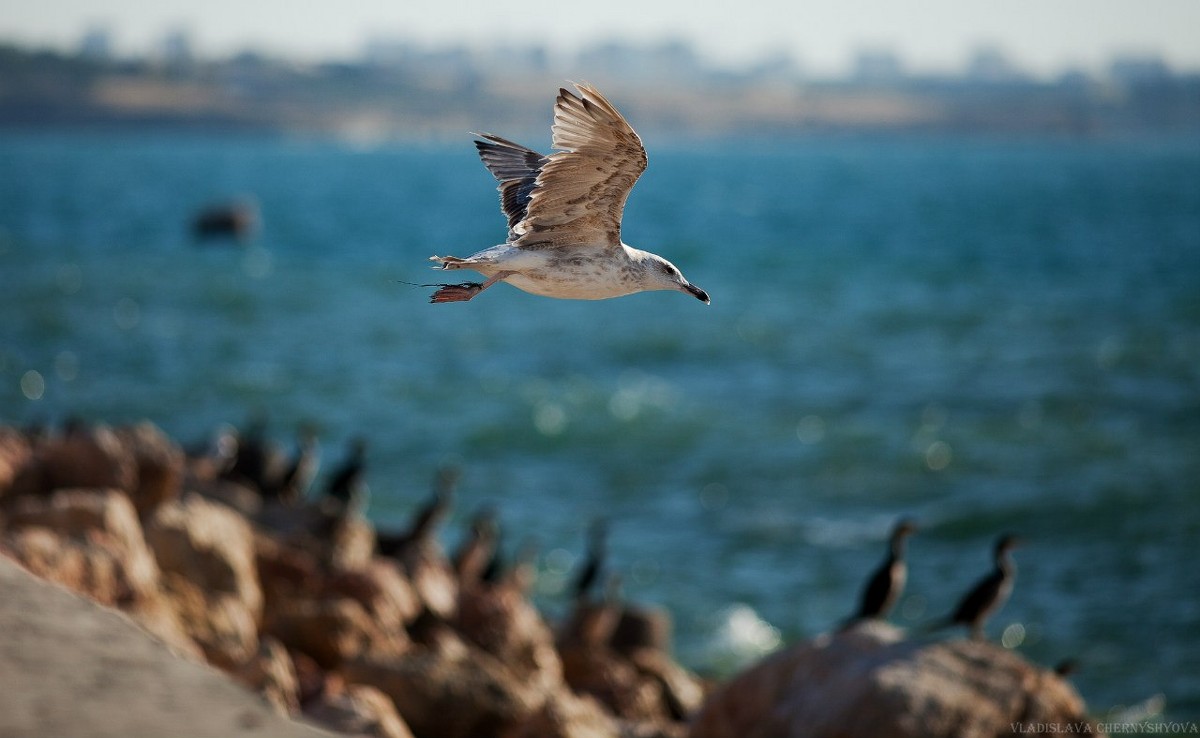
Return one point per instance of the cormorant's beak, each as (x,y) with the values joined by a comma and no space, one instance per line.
(697,293)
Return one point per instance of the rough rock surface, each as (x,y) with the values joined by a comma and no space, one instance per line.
(209,578)
(870,682)
(333,630)
(272,674)
(15,456)
(159,464)
(500,621)
(92,458)
(567,715)
(74,667)
(208,544)
(444,694)
(87,540)
(360,710)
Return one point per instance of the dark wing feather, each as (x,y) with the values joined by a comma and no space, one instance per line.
(980,600)
(516,168)
(877,594)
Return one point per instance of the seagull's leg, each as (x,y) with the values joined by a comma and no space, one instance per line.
(466,290)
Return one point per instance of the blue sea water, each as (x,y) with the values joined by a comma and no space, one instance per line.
(986,335)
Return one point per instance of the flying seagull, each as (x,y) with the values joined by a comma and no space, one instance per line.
(564,212)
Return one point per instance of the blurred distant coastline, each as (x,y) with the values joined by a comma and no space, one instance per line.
(399,91)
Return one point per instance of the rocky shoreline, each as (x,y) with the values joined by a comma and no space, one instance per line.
(359,632)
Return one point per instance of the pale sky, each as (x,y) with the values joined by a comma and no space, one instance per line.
(1044,36)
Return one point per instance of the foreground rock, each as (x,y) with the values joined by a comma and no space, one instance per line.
(75,668)
(870,682)
(206,554)
(299,603)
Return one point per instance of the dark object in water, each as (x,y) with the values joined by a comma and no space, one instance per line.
(234,220)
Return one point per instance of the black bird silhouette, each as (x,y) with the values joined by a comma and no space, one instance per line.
(991,592)
(433,512)
(254,455)
(293,482)
(347,486)
(887,582)
(593,565)
(477,550)
(426,519)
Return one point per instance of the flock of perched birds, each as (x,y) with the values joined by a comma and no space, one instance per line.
(253,459)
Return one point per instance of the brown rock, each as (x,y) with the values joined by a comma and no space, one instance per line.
(219,622)
(284,572)
(360,710)
(310,677)
(100,553)
(501,622)
(870,682)
(353,543)
(447,695)
(615,683)
(567,715)
(15,457)
(332,631)
(238,497)
(93,458)
(381,589)
(682,691)
(158,462)
(639,628)
(160,618)
(432,577)
(88,572)
(271,673)
(209,545)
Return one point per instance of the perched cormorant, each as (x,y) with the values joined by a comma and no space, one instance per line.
(435,510)
(522,574)
(593,565)
(257,461)
(991,592)
(426,519)
(590,623)
(292,483)
(347,486)
(477,549)
(887,583)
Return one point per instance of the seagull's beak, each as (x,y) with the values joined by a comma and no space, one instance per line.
(697,293)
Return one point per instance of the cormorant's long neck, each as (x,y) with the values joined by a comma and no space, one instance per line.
(897,553)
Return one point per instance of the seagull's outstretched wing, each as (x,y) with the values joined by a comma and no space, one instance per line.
(579,191)
(516,168)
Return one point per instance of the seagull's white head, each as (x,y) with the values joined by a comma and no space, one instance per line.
(659,274)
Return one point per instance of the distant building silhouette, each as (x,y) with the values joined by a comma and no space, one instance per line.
(990,64)
(877,66)
(96,44)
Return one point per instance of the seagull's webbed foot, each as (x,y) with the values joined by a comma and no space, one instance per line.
(457,292)
(466,290)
